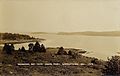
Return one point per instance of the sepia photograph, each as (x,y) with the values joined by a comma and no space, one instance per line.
(59,37)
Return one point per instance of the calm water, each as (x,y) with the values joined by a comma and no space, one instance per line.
(98,46)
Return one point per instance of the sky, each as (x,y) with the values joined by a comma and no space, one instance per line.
(59,15)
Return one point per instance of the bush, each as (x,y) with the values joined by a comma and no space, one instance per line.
(112,66)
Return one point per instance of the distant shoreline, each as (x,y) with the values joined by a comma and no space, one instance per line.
(20,41)
(86,33)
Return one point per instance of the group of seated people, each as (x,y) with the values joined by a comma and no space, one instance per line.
(62,51)
(9,48)
(37,47)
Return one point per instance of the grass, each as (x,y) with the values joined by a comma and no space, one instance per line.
(11,69)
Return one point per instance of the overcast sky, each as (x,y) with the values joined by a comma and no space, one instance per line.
(59,15)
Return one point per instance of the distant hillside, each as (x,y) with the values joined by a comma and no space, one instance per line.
(14,36)
(39,33)
(42,33)
(90,33)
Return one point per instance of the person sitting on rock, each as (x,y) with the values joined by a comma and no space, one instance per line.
(23,49)
(61,51)
(36,47)
(7,49)
(43,48)
(31,45)
(12,47)
(22,52)
(94,61)
(69,52)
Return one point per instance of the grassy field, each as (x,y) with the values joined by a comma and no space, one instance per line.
(9,67)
